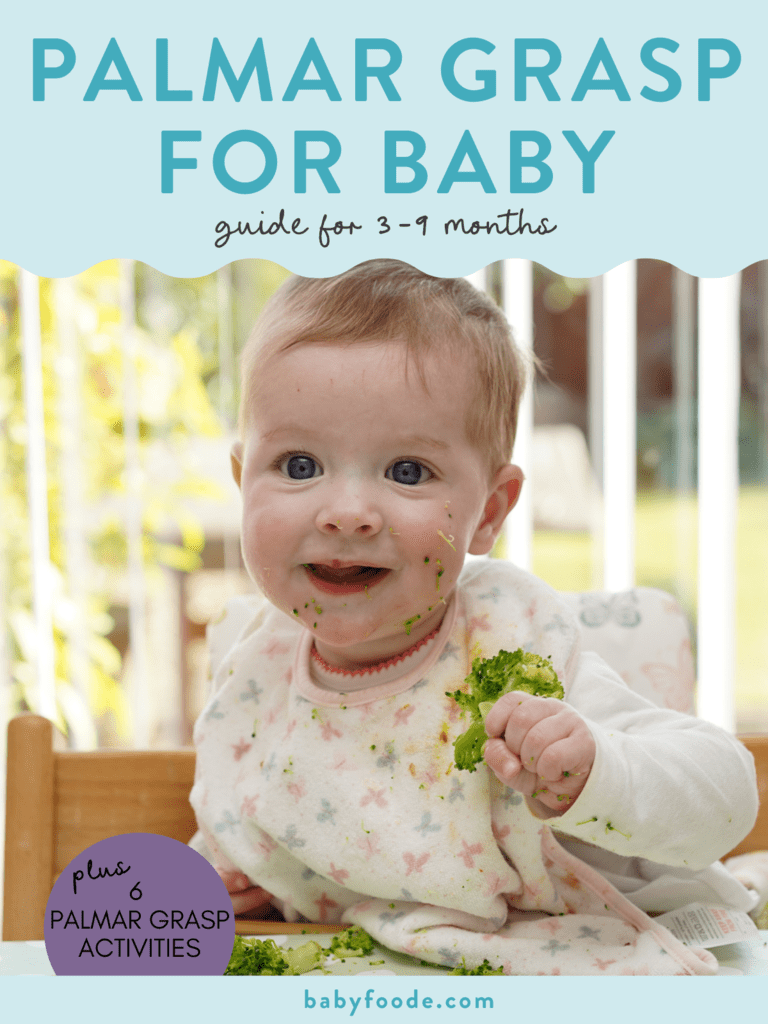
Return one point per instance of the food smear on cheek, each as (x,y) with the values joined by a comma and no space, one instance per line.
(440,572)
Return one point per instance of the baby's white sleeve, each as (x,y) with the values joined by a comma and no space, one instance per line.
(664,786)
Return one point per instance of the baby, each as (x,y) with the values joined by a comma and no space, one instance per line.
(377,422)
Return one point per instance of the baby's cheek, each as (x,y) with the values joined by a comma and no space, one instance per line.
(264,541)
(266,530)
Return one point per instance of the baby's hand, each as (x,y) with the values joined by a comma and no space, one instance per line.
(246,898)
(544,748)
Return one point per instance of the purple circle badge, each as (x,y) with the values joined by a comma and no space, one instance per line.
(139,904)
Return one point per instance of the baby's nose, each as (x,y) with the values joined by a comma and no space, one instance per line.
(350,517)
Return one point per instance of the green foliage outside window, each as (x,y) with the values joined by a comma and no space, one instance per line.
(174,407)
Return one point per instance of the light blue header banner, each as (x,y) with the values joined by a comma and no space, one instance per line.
(447,134)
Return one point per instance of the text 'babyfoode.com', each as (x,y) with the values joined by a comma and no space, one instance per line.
(350,1004)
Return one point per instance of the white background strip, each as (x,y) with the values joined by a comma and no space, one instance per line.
(619,429)
(518,307)
(719,385)
(137,593)
(37,491)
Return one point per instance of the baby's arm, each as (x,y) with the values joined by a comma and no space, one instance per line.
(663,786)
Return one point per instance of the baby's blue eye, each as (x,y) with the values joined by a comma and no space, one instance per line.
(301,467)
(408,472)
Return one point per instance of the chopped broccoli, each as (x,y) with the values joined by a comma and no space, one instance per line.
(490,679)
(257,956)
(352,941)
(263,956)
(483,968)
(305,957)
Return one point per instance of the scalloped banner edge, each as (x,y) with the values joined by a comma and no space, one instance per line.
(454,266)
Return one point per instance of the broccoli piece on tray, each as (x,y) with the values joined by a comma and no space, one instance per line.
(305,958)
(483,968)
(263,956)
(490,679)
(351,942)
(256,956)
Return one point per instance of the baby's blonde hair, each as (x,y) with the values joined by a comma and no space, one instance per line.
(386,300)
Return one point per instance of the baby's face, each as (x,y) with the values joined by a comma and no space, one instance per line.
(362,495)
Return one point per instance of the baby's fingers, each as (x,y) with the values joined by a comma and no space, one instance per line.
(235,881)
(244,895)
(250,900)
(505,765)
(521,708)
(568,760)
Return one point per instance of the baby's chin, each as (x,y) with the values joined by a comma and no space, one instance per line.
(345,638)
(347,645)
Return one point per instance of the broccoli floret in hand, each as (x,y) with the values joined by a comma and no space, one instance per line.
(489,680)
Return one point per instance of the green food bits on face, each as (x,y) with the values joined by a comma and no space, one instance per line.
(426,559)
(295,611)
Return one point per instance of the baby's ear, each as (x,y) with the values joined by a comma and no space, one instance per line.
(236,460)
(504,491)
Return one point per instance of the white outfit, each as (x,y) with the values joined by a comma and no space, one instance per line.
(350,805)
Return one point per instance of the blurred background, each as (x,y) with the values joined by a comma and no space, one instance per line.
(120,522)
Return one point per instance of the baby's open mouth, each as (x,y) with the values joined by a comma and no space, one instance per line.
(345,579)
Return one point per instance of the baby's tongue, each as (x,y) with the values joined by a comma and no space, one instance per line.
(345,574)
